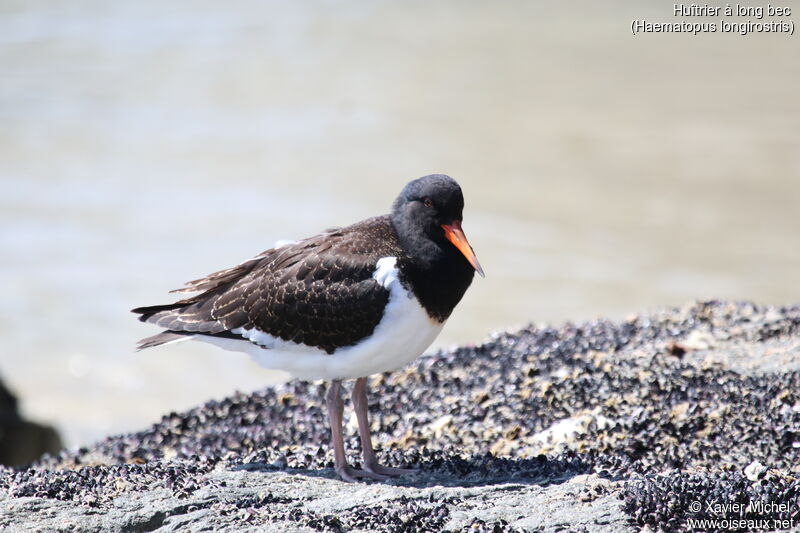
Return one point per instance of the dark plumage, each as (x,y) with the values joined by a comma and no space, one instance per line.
(318,292)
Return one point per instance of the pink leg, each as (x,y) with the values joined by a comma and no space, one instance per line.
(361,406)
(335,411)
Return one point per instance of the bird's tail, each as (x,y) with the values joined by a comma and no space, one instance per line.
(147,312)
(165,337)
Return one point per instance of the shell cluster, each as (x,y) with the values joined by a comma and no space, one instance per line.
(698,404)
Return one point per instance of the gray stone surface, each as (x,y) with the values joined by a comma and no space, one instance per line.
(546,505)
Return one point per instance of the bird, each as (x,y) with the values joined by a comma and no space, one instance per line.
(343,304)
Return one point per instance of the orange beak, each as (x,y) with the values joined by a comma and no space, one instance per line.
(455,235)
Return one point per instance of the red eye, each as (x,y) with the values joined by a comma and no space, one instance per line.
(427,202)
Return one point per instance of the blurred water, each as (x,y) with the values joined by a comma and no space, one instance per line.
(144,144)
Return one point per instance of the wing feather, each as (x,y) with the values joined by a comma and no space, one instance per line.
(318,291)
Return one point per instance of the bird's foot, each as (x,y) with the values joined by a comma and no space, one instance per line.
(388,471)
(351,475)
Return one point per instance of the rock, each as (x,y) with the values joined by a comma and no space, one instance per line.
(754,471)
(698,340)
(634,437)
(566,433)
(21,441)
(439,425)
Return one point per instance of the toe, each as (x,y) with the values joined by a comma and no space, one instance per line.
(352,475)
(346,475)
(370,474)
(388,471)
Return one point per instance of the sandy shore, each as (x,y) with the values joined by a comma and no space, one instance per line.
(679,415)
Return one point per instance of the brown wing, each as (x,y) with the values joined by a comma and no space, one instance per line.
(318,291)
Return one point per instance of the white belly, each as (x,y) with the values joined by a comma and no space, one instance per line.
(404,332)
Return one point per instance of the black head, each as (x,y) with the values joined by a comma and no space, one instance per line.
(428,213)
(428,203)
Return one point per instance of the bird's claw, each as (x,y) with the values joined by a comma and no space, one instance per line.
(351,475)
(376,472)
(388,471)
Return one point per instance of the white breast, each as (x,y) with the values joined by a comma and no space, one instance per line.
(404,332)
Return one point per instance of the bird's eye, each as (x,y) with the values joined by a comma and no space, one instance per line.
(427,202)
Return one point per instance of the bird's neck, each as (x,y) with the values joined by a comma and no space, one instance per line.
(439,280)
(436,272)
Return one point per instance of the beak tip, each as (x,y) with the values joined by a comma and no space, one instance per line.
(455,235)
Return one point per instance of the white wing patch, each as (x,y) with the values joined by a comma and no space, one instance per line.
(386,272)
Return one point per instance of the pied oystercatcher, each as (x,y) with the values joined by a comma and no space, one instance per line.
(346,303)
